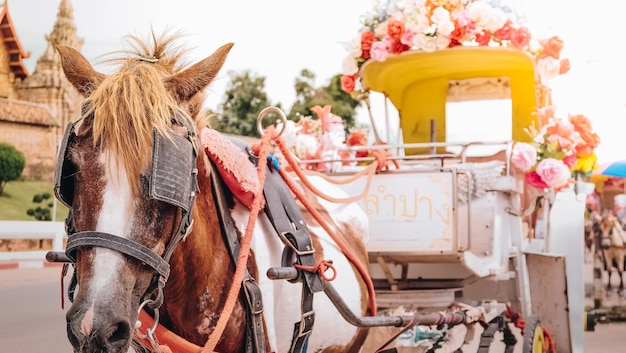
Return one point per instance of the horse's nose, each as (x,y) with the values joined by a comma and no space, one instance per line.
(111,336)
(114,335)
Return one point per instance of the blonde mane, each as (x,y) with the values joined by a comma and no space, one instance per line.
(128,104)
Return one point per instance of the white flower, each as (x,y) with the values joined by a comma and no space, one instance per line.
(495,20)
(353,47)
(442,42)
(380,31)
(417,23)
(424,42)
(444,28)
(306,146)
(480,12)
(349,65)
(548,68)
(440,15)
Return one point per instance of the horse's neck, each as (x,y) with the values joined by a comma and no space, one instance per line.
(200,268)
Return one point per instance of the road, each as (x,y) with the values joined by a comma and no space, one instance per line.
(31,318)
(32,321)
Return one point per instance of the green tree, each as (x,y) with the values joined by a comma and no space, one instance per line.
(245,97)
(307,96)
(41,213)
(12,163)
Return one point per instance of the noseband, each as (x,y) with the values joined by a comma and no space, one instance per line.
(173,179)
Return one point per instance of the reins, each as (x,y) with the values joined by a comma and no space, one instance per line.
(255,209)
(300,196)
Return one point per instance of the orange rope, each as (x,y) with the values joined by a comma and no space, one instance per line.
(255,209)
(320,266)
(344,249)
(301,174)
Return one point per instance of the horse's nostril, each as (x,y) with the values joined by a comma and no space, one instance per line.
(117,335)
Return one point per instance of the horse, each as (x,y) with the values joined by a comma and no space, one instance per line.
(151,223)
(611,243)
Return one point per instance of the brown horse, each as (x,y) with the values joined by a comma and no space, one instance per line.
(611,241)
(128,170)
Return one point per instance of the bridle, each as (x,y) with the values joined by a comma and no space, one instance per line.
(173,179)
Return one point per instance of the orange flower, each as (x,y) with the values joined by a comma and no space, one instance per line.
(504,33)
(395,29)
(551,47)
(367,38)
(348,83)
(561,133)
(564,66)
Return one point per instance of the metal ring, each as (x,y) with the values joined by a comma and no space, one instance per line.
(264,112)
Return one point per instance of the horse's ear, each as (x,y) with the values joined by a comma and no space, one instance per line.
(186,84)
(78,70)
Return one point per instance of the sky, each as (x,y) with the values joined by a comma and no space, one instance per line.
(276,39)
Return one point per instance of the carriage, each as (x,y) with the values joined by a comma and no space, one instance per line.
(451,237)
(454,222)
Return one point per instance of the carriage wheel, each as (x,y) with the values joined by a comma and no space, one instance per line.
(534,342)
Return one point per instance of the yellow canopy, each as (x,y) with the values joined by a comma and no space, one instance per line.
(417,82)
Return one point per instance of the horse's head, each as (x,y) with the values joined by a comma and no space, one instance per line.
(127,172)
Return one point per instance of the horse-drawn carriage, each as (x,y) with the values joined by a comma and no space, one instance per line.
(452,224)
(447,235)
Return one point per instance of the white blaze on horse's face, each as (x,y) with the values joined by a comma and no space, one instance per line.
(116,217)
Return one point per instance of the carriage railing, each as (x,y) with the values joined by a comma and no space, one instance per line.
(438,159)
(467,315)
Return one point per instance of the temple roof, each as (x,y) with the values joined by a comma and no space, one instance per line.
(12,44)
(23,112)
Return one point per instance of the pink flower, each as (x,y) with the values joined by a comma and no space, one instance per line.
(378,51)
(524,156)
(520,37)
(553,172)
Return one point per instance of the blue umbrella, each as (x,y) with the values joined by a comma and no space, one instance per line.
(613,169)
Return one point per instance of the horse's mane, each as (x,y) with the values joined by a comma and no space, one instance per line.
(129,103)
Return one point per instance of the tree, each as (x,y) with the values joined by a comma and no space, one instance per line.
(307,96)
(245,97)
(12,163)
(41,213)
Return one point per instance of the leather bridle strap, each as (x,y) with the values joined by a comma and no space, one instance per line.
(284,214)
(255,337)
(125,246)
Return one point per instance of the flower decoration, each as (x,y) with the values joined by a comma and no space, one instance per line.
(429,25)
(561,152)
(321,143)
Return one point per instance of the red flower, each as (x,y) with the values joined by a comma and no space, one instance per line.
(348,82)
(453,43)
(459,32)
(395,29)
(483,38)
(367,38)
(570,160)
(397,47)
(504,33)
(520,37)
(533,179)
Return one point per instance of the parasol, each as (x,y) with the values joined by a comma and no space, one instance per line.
(612,169)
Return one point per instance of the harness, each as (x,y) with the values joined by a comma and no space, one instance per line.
(288,222)
(173,179)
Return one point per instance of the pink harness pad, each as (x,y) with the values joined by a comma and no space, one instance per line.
(232,163)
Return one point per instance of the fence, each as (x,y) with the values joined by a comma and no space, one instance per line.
(31,230)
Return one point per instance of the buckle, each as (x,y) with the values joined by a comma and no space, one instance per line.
(288,243)
(304,329)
